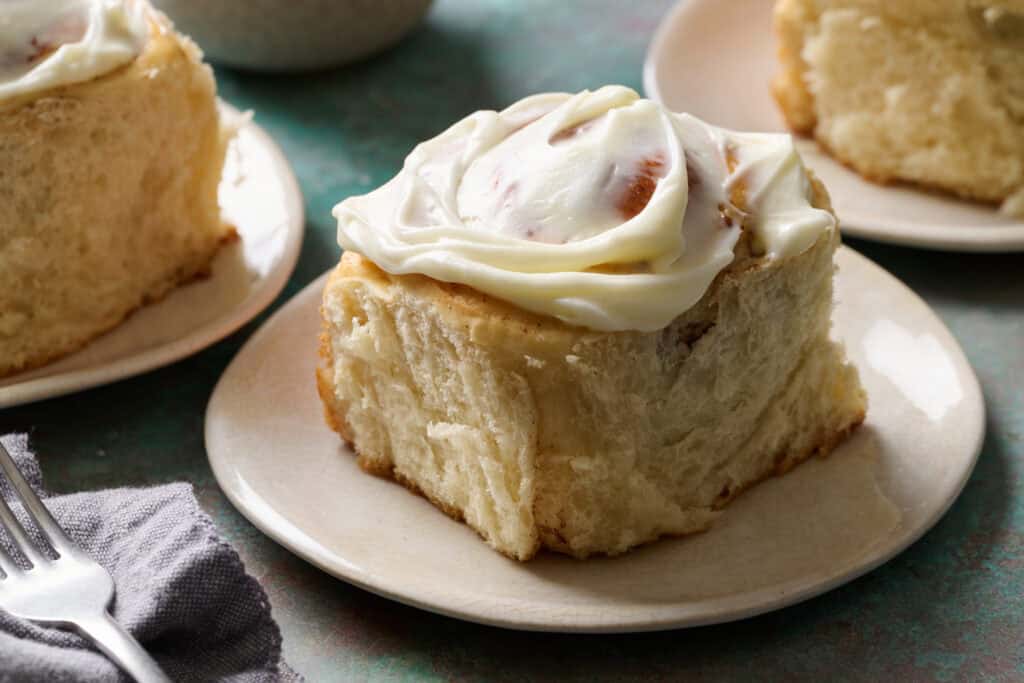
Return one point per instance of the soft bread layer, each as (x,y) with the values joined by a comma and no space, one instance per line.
(917,90)
(108,199)
(539,434)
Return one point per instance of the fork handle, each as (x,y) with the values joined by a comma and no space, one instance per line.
(117,644)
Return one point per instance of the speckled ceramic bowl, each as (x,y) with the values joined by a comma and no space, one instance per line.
(290,35)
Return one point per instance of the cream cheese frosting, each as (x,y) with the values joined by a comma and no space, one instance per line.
(48,43)
(601,209)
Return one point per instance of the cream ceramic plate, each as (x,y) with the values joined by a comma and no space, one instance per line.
(715,59)
(260,197)
(783,541)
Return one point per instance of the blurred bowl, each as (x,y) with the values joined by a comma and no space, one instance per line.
(293,35)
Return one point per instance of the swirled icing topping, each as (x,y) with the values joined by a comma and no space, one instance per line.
(47,43)
(601,209)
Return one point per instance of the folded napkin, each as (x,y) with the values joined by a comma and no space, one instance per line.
(181,590)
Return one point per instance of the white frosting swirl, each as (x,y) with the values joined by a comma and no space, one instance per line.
(601,209)
(48,43)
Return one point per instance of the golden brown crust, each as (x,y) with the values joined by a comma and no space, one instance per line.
(788,88)
(334,413)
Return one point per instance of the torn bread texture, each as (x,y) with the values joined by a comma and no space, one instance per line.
(920,91)
(538,434)
(108,198)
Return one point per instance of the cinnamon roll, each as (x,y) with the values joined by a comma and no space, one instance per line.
(586,322)
(111,149)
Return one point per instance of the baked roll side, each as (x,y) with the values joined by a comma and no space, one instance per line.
(109,198)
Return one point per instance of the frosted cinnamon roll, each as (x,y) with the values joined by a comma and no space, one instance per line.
(585,322)
(111,151)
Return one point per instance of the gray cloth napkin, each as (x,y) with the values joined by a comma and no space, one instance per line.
(181,590)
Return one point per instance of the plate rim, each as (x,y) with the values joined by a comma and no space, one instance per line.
(306,547)
(206,335)
(977,238)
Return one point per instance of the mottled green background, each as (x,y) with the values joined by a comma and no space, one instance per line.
(950,608)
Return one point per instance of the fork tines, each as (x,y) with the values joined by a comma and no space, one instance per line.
(37,514)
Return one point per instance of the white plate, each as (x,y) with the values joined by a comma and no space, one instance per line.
(716,59)
(260,197)
(783,541)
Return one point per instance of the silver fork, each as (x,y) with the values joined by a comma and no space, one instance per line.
(71,592)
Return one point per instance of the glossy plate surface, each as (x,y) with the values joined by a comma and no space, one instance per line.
(788,539)
(260,197)
(716,60)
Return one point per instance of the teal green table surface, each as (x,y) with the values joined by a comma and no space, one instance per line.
(949,608)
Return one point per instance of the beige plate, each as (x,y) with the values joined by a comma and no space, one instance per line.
(715,59)
(259,196)
(783,541)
